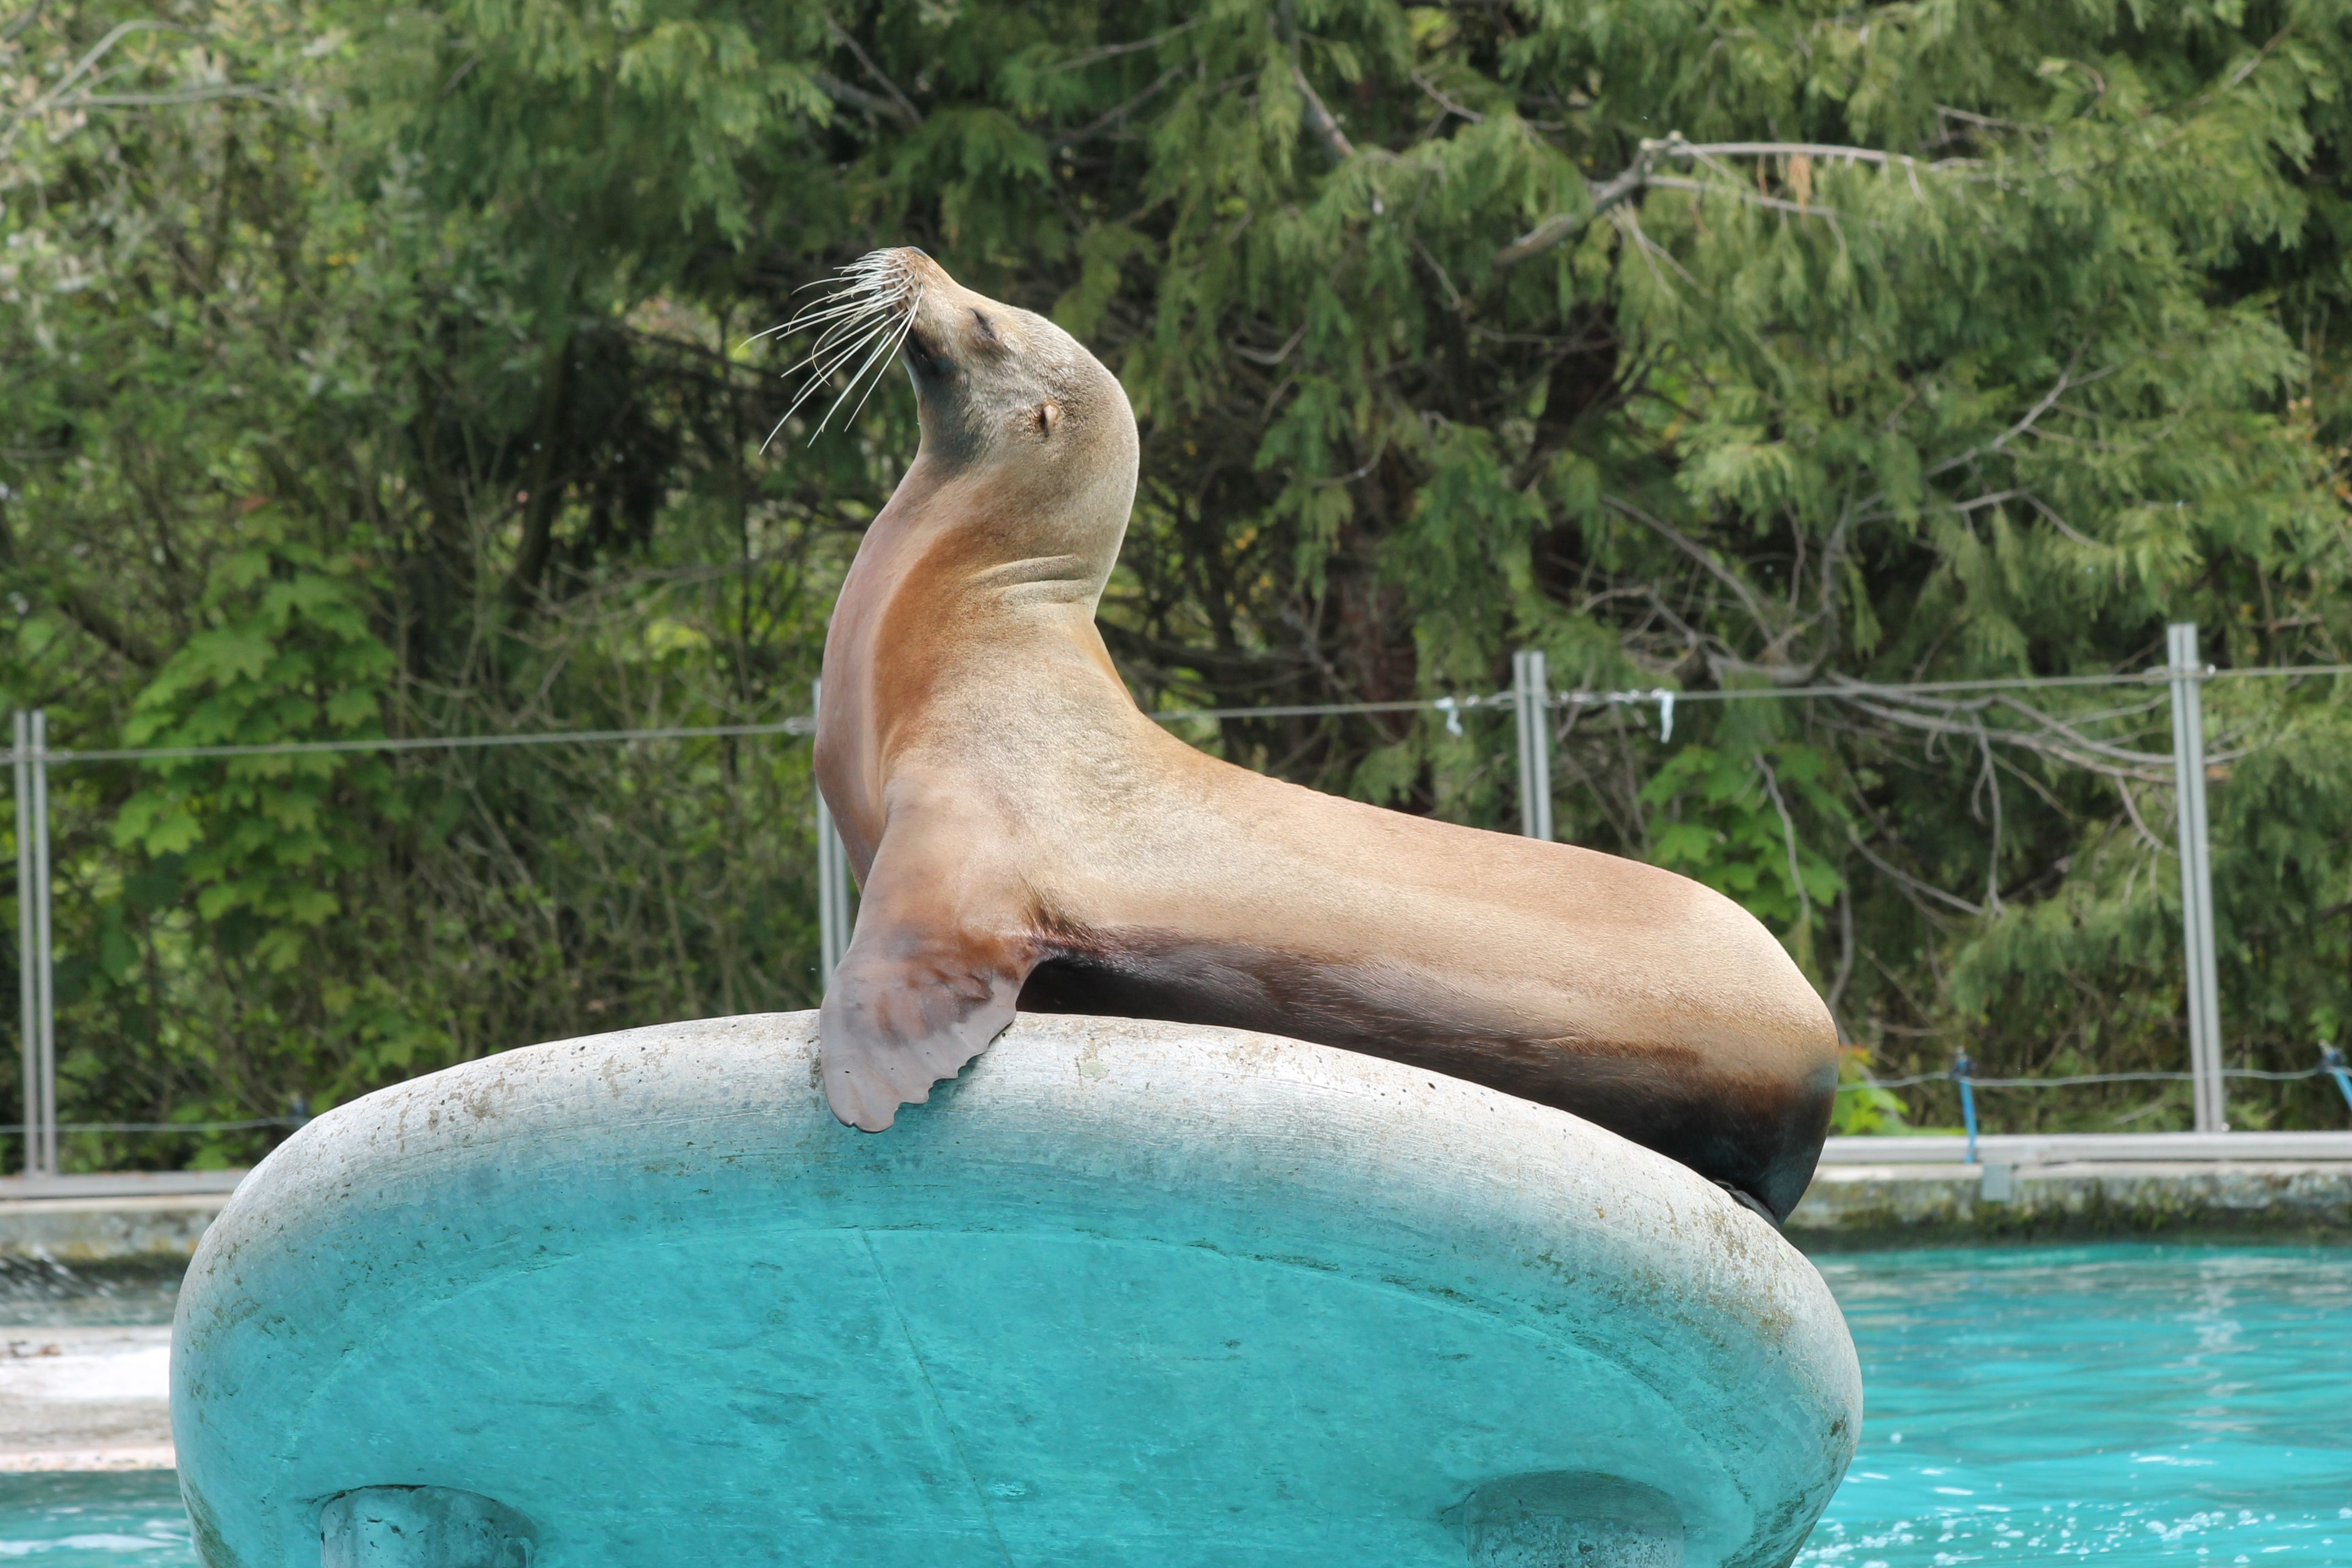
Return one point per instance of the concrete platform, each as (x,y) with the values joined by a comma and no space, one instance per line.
(1124,1292)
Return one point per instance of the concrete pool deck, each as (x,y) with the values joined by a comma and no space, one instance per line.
(76,1398)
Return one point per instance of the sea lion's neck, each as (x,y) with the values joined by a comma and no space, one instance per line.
(958,590)
(979,535)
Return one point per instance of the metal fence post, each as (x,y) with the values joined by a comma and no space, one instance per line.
(1531,706)
(2196,876)
(834,920)
(44,949)
(36,968)
(28,990)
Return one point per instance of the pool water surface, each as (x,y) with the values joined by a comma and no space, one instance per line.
(2127,1403)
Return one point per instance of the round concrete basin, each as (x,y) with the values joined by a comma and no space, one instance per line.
(1123,1293)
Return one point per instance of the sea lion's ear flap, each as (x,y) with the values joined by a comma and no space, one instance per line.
(1049,415)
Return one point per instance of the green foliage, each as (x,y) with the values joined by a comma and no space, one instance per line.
(1731,826)
(385,371)
(1862,1107)
(287,655)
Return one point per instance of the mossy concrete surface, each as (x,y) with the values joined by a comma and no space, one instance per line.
(153,1228)
(1854,1205)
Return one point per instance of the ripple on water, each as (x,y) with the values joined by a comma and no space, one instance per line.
(133,1518)
(2129,1402)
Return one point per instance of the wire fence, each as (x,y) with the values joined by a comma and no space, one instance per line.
(1538,713)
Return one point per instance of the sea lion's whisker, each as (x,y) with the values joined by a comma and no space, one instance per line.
(883,353)
(855,326)
(849,313)
(847,347)
(785,329)
(842,332)
(826,352)
(841,302)
(821,282)
(868,313)
(847,319)
(880,343)
(823,374)
(808,389)
(850,302)
(849,305)
(825,345)
(905,326)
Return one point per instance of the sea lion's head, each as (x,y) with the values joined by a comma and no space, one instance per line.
(1004,393)
(996,380)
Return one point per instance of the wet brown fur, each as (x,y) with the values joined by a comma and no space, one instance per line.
(1025,836)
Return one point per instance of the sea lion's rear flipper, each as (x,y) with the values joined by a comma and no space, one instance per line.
(923,989)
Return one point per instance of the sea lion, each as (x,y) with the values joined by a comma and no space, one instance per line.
(1025,836)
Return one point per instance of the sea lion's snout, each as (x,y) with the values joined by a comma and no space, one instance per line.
(915,261)
(952,327)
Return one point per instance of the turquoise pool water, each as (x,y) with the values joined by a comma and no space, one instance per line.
(2123,1403)
(2127,1404)
(130,1519)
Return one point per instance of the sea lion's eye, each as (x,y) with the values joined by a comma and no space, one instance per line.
(1049,414)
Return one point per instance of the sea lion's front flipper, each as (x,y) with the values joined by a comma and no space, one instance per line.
(927,982)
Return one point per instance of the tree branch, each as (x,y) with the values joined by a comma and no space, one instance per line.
(546,495)
(84,610)
(1740,194)
(1789,842)
(2095,756)
(83,67)
(1114,117)
(161,100)
(1705,557)
(1320,119)
(1605,193)
(857,97)
(1905,881)
(904,110)
(1112,51)
(17,29)
(1641,172)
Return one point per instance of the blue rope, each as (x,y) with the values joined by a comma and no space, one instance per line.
(1968,1101)
(2331,1061)
(1949,1074)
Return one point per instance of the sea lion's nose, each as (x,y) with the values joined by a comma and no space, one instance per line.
(918,260)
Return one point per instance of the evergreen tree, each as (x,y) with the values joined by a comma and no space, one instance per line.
(389,368)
